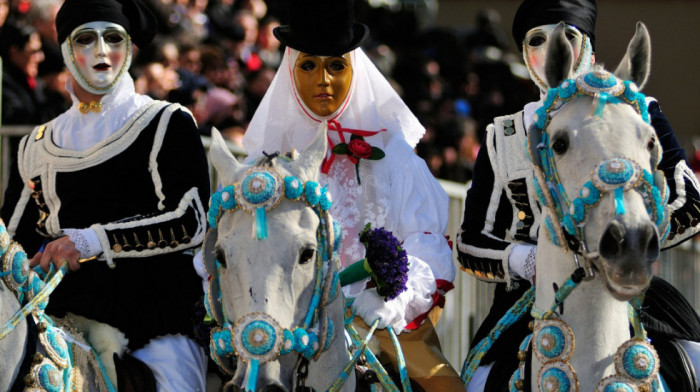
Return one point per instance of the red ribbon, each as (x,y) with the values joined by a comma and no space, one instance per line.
(443,286)
(334,125)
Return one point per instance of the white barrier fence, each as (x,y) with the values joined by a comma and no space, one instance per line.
(468,303)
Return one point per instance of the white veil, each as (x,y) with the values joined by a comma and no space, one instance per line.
(282,121)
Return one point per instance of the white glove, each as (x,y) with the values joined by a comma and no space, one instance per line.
(522,261)
(201,270)
(370,306)
(398,312)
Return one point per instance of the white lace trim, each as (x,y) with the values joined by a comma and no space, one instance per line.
(86,242)
(522,260)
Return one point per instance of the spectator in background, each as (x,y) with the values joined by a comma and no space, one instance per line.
(267,46)
(160,80)
(256,7)
(52,74)
(256,86)
(488,32)
(217,70)
(187,66)
(190,58)
(220,14)
(245,50)
(42,15)
(51,83)
(20,49)
(221,109)
(4,11)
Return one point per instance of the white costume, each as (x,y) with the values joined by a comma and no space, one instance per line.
(397,192)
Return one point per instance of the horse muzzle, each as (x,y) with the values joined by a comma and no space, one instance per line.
(626,255)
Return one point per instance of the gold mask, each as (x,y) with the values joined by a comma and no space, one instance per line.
(322,82)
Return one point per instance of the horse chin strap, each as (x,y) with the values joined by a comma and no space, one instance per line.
(257,338)
(587,267)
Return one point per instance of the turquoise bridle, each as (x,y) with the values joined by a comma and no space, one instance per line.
(616,175)
(257,338)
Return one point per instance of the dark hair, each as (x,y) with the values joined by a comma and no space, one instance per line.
(16,35)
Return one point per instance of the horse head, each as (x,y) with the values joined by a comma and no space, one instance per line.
(272,260)
(596,157)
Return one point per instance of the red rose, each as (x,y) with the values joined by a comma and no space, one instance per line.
(360,148)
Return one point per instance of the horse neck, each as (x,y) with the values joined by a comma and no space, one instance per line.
(13,346)
(599,322)
(324,371)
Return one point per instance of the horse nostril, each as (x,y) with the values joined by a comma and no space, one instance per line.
(649,241)
(612,240)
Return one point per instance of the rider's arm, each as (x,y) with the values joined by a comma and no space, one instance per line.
(684,199)
(180,176)
(483,248)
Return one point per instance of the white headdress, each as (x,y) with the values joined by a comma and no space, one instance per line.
(283,122)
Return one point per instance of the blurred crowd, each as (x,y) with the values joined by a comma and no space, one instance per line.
(218,57)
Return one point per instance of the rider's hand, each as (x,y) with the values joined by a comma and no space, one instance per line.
(57,251)
(370,306)
(522,261)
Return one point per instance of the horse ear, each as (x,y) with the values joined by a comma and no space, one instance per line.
(559,57)
(534,138)
(636,65)
(224,162)
(310,160)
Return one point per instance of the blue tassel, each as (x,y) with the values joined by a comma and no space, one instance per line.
(602,100)
(619,201)
(252,375)
(260,223)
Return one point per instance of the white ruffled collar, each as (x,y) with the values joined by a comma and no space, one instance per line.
(74,130)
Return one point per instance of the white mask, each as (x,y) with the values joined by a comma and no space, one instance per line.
(97,54)
(535,44)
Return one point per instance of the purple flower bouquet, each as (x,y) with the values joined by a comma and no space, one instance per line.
(385,262)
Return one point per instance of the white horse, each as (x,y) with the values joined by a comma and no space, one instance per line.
(604,209)
(42,356)
(604,216)
(12,347)
(271,278)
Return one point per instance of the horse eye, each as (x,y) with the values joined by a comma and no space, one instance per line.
(560,145)
(221,256)
(307,255)
(651,144)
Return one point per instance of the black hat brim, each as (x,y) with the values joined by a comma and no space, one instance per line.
(316,47)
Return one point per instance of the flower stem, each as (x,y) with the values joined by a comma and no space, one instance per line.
(355,272)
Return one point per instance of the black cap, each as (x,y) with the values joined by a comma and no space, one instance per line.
(138,21)
(533,13)
(322,27)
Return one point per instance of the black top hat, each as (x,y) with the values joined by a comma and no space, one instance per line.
(533,13)
(133,15)
(322,27)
